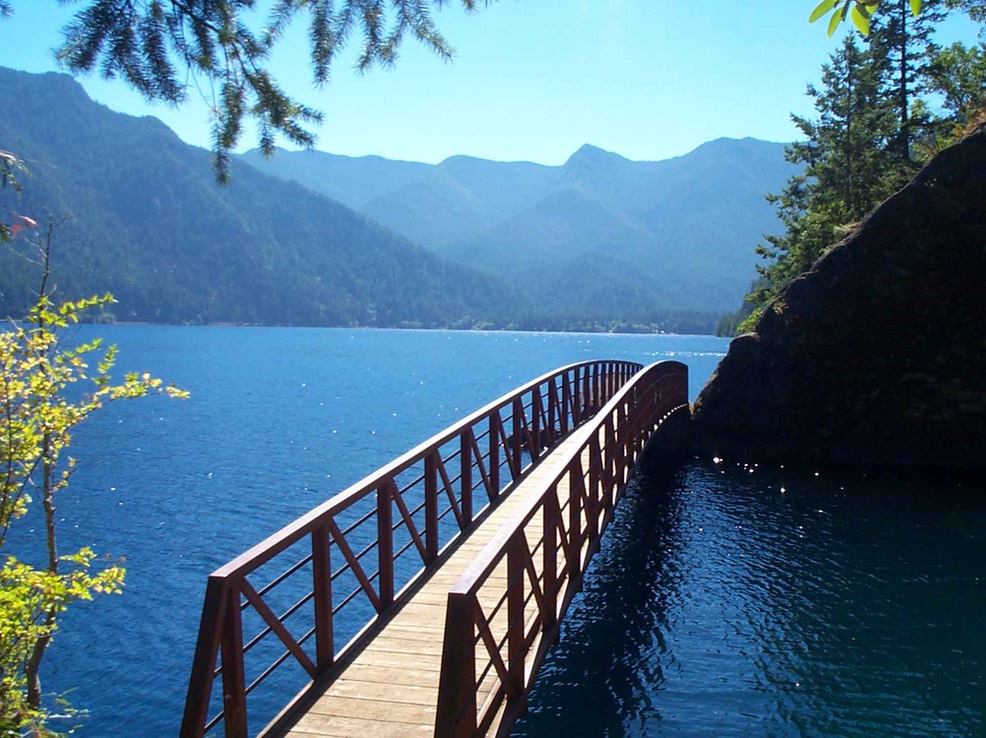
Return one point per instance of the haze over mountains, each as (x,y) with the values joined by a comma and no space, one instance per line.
(151,225)
(596,234)
(600,242)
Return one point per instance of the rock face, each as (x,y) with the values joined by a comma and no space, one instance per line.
(877,356)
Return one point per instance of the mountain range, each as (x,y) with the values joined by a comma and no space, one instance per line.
(150,224)
(596,235)
(309,238)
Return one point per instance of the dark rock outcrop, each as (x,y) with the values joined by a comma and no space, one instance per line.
(877,356)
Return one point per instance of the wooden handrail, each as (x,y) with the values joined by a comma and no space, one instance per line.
(496,635)
(333,573)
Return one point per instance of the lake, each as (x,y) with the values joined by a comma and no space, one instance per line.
(712,610)
(733,600)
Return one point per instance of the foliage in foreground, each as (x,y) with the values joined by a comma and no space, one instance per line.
(47,388)
(859,12)
(164,48)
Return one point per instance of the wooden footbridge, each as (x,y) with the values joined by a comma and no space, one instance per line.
(422,600)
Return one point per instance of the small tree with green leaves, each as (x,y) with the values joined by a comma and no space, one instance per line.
(41,404)
(957,74)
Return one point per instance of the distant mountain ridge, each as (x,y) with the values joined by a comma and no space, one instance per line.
(151,226)
(600,242)
(672,235)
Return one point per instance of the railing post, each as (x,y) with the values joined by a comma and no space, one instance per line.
(658,409)
(610,462)
(586,391)
(644,404)
(322,589)
(618,451)
(385,543)
(628,436)
(583,392)
(595,487)
(552,411)
(550,516)
(576,495)
(659,404)
(456,714)
(536,444)
(516,653)
(587,398)
(597,388)
(594,388)
(465,474)
(568,401)
(234,676)
(196,715)
(578,382)
(431,507)
(494,459)
(643,413)
(517,423)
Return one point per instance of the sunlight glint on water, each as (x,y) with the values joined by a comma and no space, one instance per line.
(279,420)
(720,605)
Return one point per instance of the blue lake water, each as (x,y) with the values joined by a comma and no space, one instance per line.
(731,600)
(718,605)
(279,420)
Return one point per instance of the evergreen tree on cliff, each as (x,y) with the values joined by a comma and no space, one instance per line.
(848,159)
(904,45)
(874,131)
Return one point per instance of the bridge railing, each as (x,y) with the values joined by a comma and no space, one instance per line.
(281,615)
(504,611)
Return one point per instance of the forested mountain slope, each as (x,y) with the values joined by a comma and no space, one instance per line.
(150,225)
(669,235)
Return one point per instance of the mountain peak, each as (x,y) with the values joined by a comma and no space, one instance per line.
(593,156)
(747,144)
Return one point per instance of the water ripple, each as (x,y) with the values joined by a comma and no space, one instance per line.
(720,605)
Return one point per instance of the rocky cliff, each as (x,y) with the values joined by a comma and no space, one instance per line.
(877,356)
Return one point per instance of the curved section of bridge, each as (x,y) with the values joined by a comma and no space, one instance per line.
(422,600)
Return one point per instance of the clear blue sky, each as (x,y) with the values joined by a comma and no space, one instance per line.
(532,79)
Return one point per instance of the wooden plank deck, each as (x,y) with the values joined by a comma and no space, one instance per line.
(390,689)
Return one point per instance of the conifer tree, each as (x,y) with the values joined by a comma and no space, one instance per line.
(154,44)
(848,166)
(872,111)
(904,44)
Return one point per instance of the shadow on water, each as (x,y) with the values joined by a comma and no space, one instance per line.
(733,600)
(621,610)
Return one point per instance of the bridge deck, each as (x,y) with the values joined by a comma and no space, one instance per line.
(390,689)
(455,654)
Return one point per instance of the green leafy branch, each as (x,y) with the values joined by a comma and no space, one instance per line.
(38,414)
(156,45)
(859,12)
